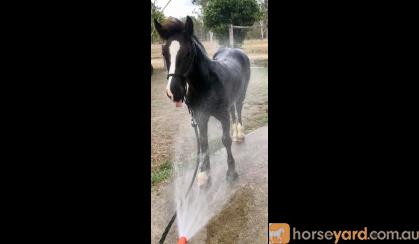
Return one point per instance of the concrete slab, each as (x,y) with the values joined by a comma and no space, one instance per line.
(244,219)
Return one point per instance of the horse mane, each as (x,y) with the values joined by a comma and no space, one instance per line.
(199,44)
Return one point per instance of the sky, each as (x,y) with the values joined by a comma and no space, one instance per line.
(177,8)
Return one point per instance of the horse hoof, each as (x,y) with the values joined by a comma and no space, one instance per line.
(235,139)
(232,176)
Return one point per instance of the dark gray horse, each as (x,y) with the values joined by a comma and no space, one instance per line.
(209,87)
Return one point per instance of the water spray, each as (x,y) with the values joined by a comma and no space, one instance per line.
(182,239)
(192,210)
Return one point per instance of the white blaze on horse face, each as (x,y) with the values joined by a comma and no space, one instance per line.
(173,50)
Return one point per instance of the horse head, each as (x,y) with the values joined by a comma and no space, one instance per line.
(178,53)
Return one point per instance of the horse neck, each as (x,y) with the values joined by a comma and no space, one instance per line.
(199,75)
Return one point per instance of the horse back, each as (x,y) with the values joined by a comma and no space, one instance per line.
(232,58)
(232,68)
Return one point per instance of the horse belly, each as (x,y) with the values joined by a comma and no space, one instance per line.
(234,84)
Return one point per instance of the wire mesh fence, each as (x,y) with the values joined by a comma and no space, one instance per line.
(234,38)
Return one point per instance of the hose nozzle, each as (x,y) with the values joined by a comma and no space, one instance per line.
(182,240)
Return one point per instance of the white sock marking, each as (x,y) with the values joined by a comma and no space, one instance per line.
(240,130)
(234,130)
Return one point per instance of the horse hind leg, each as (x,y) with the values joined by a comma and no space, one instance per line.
(234,120)
(239,107)
(239,125)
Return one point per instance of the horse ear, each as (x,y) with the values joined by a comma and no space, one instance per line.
(159,28)
(188,26)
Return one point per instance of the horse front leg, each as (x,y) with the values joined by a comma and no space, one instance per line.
(203,177)
(226,139)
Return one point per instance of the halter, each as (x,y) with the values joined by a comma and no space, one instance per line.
(183,76)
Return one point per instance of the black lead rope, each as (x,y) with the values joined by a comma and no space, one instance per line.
(166,231)
(194,125)
(169,225)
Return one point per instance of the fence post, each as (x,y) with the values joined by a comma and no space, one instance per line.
(261,29)
(231,36)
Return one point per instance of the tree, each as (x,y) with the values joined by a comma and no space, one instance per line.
(156,13)
(264,17)
(201,3)
(198,27)
(219,14)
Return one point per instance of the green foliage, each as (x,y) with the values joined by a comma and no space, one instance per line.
(201,3)
(198,27)
(155,14)
(219,14)
(264,16)
(163,173)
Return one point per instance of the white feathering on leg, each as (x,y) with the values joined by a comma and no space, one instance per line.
(235,133)
(240,131)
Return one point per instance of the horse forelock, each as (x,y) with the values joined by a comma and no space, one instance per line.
(172,26)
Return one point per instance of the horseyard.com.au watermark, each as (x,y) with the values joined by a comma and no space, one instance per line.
(281,233)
